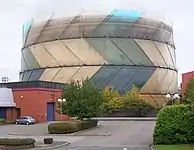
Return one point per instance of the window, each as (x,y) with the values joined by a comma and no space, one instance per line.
(23,118)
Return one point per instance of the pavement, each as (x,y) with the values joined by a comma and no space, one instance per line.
(109,135)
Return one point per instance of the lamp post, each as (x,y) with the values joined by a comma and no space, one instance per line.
(61,101)
(172,98)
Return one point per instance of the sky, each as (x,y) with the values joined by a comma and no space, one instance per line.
(14,13)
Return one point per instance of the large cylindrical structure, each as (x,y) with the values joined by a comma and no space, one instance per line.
(115,50)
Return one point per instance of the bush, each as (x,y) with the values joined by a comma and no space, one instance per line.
(71,126)
(83,100)
(138,106)
(17,142)
(48,140)
(173,125)
(132,101)
(2,121)
(114,102)
(189,93)
(62,128)
(191,112)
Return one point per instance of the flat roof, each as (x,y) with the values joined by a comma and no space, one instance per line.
(32,84)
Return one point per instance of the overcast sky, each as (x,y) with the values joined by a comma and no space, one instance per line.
(14,13)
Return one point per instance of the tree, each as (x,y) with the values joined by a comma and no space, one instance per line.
(132,100)
(133,94)
(112,101)
(189,99)
(189,93)
(82,100)
(191,113)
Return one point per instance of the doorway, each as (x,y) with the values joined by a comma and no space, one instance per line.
(3,112)
(50,111)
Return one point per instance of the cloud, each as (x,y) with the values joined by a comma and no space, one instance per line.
(14,13)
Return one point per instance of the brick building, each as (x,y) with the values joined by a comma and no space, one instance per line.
(35,98)
(185,80)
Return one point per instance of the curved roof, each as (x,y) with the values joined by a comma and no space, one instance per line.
(119,23)
(6,98)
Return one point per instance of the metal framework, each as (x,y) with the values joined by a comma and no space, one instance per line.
(72,21)
(138,51)
(133,34)
(46,24)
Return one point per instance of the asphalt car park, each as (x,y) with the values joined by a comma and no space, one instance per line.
(109,135)
(38,129)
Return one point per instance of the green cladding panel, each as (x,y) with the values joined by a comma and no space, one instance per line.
(109,51)
(31,62)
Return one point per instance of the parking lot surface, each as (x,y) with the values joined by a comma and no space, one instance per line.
(109,135)
(36,129)
(124,135)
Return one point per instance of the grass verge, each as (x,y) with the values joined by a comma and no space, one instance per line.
(173,147)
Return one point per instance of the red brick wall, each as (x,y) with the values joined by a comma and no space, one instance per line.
(33,102)
(185,80)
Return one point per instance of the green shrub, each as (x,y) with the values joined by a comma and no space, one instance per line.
(48,140)
(71,126)
(189,93)
(130,101)
(138,106)
(112,101)
(173,125)
(2,121)
(62,128)
(17,142)
(83,100)
(191,112)
(82,125)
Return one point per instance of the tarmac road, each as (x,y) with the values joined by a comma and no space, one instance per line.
(109,135)
(123,135)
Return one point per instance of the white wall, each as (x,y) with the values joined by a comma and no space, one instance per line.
(6,98)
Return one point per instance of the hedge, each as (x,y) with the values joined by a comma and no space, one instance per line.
(71,126)
(132,113)
(48,140)
(2,121)
(17,142)
(173,125)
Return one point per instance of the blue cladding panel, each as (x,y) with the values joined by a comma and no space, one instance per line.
(104,74)
(122,77)
(141,76)
(21,76)
(36,74)
(31,62)
(125,15)
(115,16)
(26,27)
(27,75)
(23,63)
